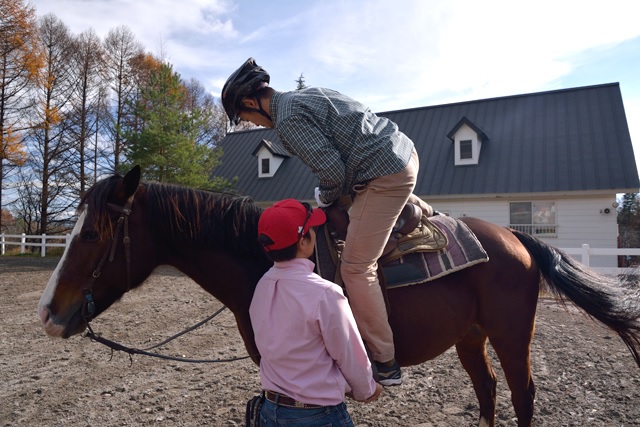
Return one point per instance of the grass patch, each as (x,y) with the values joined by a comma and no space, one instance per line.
(51,252)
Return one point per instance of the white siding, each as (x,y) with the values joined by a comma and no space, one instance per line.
(579,219)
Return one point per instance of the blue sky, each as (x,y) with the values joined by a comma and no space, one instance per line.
(390,54)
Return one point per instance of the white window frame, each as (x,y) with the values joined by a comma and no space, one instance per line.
(541,221)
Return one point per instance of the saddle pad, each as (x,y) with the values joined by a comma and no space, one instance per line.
(463,250)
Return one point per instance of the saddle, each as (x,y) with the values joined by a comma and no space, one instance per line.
(436,246)
(413,232)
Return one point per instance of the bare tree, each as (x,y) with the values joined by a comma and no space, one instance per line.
(198,99)
(121,48)
(89,63)
(27,206)
(101,145)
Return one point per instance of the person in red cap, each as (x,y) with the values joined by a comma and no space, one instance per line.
(311,352)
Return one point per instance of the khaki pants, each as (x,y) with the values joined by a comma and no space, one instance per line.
(373,214)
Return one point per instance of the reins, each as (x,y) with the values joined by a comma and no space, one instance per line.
(131,351)
(88,308)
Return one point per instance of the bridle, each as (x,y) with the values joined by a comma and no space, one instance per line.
(89,308)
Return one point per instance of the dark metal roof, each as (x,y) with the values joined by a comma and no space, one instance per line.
(274,148)
(482,135)
(563,140)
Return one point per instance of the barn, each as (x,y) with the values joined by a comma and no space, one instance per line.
(547,163)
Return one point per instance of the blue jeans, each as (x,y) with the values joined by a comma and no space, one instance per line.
(272,415)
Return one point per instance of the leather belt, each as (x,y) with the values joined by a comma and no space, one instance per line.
(284,400)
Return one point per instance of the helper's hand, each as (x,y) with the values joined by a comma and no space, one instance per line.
(320,203)
(376,394)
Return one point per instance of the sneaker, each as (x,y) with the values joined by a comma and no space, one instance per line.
(388,375)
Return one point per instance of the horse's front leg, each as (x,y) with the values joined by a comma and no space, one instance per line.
(246,332)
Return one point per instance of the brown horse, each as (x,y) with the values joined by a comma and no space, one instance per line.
(127,228)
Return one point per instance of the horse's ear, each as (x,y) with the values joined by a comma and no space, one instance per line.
(131,181)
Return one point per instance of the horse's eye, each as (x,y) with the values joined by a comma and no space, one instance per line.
(90,236)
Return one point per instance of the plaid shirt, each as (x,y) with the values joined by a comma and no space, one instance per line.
(341,140)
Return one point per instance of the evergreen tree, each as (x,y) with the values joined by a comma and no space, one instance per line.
(164,142)
(300,84)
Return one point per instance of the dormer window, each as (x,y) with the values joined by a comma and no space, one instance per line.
(467,139)
(267,163)
(270,157)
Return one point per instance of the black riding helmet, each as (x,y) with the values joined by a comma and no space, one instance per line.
(245,81)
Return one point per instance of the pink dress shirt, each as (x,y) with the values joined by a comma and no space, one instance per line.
(308,339)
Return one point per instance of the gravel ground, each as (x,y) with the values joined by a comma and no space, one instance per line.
(585,376)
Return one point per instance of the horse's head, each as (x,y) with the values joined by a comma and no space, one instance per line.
(95,270)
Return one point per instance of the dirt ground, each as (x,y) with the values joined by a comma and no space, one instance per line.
(584,375)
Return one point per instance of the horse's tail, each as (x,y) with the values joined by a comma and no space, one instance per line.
(603,298)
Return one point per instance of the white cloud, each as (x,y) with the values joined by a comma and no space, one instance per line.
(390,55)
(151,21)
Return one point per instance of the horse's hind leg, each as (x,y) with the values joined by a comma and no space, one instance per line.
(515,361)
(472,353)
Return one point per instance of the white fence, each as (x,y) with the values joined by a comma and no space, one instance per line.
(585,252)
(43,242)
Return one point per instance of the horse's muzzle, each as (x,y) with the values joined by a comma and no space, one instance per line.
(59,330)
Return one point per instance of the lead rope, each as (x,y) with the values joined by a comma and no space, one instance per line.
(131,351)
(179,334)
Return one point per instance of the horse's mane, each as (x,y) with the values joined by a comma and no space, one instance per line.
(95,201)
(205,219)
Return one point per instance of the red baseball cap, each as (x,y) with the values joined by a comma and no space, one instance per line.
(287,221)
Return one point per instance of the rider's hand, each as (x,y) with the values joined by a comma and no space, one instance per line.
(320,203)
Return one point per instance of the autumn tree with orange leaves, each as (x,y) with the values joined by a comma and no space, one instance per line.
(75,107)
(52,144)
(20,62)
